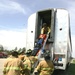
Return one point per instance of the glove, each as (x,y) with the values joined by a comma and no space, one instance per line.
(36,72)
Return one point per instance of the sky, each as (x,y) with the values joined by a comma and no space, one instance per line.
(14,16)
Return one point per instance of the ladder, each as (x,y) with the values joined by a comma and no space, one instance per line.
(40,52)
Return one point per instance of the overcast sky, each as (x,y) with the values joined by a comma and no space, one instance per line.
(14,15)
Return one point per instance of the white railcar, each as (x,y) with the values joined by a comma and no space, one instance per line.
(60,37)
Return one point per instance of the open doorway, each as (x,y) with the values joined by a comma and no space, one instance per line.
(43,17)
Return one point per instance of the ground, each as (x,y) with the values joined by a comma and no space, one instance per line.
(1,65)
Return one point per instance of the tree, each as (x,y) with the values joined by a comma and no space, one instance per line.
(1,48)
(24,49)
(15,48)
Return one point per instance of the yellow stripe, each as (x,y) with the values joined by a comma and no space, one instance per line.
(27,60)
(46,69)
(29,68)
(26,67)
(45,73)
(12,68)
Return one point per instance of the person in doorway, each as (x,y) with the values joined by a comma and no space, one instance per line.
(45,67)
(45,29)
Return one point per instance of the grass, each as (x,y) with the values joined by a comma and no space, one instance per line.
(71,69)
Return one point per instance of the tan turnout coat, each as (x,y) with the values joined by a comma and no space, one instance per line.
(13,66)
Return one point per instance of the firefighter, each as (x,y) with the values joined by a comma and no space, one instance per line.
(45,67)
(13,65)
(29,61)
(45,29)
(21,55)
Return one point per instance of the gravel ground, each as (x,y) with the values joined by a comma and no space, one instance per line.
(1,65)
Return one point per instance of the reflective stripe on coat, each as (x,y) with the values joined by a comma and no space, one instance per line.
(13,66)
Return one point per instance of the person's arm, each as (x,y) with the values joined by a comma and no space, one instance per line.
(52,68)
(38,68)
(35,58)
(49,30)
(42,31)
(22,67)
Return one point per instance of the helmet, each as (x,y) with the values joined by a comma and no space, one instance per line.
(21,51)
(47,55)
(29,51)
(14,53)
(44,24)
